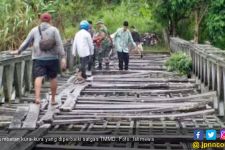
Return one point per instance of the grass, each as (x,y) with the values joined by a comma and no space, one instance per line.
(159,48)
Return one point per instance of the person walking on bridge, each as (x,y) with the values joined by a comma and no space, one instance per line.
(91,63)
(84,47)
(47,47)
(103,44)
(122,41)
(137,39)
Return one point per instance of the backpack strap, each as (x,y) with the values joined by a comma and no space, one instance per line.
(39,29)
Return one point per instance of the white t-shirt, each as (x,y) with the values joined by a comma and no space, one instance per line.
(83,44)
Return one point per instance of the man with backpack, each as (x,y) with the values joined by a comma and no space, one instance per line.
(47,47)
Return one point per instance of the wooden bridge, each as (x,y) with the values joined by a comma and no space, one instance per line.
(144,108)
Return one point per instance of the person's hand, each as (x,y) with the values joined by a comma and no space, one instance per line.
(63,63)
(15,52)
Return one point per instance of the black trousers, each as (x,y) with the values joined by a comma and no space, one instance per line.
(83,66)
(123,58)
(91,62)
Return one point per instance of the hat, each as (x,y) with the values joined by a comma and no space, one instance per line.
(45,17)
(125,23)
(100,22)
(84,25)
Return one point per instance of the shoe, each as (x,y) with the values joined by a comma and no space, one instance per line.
(88,73)
(89,79)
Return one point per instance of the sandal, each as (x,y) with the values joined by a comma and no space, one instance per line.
(79,81)
(55,103)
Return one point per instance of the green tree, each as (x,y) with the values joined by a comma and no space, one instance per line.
(216,23)
(200,10)
(170,12)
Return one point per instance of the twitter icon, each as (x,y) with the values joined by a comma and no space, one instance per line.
(211,135)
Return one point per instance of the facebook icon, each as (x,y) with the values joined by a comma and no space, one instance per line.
(198,134)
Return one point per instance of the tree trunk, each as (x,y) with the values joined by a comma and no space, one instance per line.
(174,28)
(165,36)
(197,20)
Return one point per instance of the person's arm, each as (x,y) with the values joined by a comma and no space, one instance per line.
(59,44)
(115,36)
(130,39)
(90,44)
(60,47)
(74,47)
(29,39)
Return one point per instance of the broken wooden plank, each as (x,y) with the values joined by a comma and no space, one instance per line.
(146,80)
(169,116)
(130,86)
(12,139)
(32,117)
(72,98)
(48,116)
(143,91)
(18,117)
(195,97)
(139,105)
(35,136)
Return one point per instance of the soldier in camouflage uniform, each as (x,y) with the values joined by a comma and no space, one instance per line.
(102,44)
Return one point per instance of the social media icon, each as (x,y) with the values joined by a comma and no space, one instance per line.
(211,135)
(222,134)
(198,135)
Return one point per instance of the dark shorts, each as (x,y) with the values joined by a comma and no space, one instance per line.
(49,68)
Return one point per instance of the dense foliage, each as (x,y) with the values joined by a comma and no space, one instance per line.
(216,23)
(197,20)
(179,62)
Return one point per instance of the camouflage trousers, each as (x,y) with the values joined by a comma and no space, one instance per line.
(102,55)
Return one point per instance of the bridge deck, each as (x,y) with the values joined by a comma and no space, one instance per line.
(125,109)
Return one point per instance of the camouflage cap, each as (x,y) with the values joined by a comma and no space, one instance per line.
(100,22)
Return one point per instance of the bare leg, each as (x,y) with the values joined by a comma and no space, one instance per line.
(37,86)
(53,83)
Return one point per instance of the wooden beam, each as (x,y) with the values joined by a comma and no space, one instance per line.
(129,86)
(196,98)
(35,136)
(73,121)
(28,75)
(32,117)
(209,74)
(72,97)
(8,81)
(19,116)
(16,136)
(19,78)
(214,77)
(143,91)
